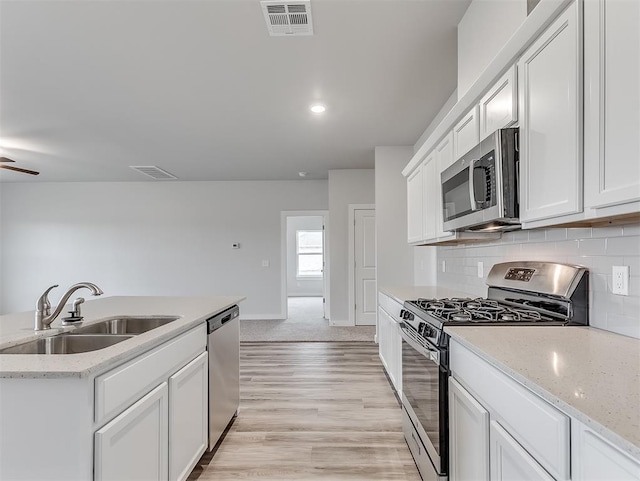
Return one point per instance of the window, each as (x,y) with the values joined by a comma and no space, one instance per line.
(309,253)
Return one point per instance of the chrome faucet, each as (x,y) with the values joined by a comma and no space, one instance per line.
(44,318)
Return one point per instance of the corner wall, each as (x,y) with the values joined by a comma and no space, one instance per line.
(346,186)
(394,257)
(149,238)
(485,28)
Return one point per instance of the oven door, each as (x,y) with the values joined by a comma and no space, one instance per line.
(424,395)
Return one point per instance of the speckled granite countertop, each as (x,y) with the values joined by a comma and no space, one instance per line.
(405,293)
(18,328)
(590,374)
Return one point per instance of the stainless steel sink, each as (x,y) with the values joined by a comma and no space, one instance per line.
(124,325)
(65,344)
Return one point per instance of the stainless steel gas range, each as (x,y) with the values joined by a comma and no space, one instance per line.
(519,293)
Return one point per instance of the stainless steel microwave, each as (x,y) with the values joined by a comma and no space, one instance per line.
(480,190)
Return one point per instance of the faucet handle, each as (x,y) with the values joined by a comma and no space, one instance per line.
(43,305)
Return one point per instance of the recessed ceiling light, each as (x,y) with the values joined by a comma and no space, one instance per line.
(302,174)
(318,108)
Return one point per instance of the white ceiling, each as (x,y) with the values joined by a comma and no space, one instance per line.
(199,88)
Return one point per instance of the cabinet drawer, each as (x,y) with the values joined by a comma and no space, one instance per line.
(117,389)
(539,427)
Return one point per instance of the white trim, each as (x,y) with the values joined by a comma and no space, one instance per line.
(351,257)
(284,314)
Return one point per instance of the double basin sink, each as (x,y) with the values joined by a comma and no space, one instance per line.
(90,338)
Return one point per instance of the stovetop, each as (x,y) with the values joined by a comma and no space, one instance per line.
(476,311)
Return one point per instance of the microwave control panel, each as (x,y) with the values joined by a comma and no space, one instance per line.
(519,274)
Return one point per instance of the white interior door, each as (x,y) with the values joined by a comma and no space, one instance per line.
(365,266)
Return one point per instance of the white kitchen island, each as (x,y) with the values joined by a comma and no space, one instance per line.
(109,413)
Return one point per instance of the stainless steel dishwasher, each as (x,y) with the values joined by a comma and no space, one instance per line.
(223,344)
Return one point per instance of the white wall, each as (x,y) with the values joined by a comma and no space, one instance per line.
(596,248)
(346,186)
(149,238)
(425,258)
(301,286)
(394,257)
(482,32)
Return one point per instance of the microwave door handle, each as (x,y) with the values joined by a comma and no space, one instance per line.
(472,190)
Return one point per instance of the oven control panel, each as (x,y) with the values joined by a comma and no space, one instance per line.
(519,274)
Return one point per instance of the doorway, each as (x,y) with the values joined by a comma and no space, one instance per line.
(304,259)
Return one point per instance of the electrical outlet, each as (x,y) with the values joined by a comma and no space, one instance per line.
(480,269)
(444,266)
(620,280)
(265,263)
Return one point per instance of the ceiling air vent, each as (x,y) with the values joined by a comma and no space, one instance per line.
(292,18)
(153,172)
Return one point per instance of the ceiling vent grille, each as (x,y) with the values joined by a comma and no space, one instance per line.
(293,19)
(154,172)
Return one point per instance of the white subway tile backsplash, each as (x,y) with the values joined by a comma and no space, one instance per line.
(556,234)
(631,229)
(592,247)
(537,235)
(595,248)
(623,246)
(579,233)
(627,325)
(610,231)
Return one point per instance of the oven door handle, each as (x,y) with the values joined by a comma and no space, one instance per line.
(431,354)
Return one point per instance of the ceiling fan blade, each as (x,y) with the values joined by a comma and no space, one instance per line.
(18,169)
(4,159)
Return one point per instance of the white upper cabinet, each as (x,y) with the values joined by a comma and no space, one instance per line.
(549,92)
(466,133)
(612,102)
(415,205)
(444,158)
(499,106)
(430,197)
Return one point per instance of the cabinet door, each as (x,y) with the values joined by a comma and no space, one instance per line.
(430,197)
(499,106)
(188,412)
(468,436)
(509,460)
(444,158)
(549,90)
(384,337)
(134,445)
(466,133)
(414,205)
(594,459)
(396,354)
(612,102)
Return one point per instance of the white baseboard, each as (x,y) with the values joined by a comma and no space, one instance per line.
(261,317)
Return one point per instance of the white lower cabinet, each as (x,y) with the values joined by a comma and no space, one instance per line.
(188,411)
(468,436)
(510,461)
(502,425)
(134,445)
(595,459)
(390,341)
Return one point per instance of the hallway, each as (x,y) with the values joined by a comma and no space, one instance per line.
(312,411)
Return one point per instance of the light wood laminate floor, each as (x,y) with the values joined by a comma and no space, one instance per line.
(312,411)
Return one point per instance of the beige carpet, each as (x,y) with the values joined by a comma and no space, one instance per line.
(305,323)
